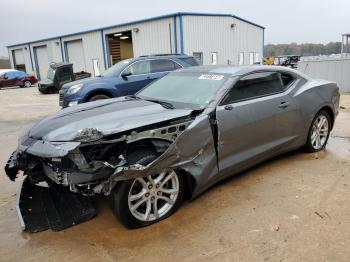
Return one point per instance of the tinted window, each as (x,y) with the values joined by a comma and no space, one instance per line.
(163,65)
(286,79)
(255,85)
(139,68)
(117,68)
(14,74)
(190,60)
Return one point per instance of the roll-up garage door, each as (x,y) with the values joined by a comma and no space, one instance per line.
(75,55)
(19,56)
(42,61)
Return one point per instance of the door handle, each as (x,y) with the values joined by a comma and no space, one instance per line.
(228,107)
(284,104)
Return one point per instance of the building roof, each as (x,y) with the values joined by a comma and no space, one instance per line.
(137,22)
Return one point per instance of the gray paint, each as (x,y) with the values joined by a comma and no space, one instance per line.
(252,137)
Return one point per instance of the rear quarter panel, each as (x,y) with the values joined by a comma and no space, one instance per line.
(311,97)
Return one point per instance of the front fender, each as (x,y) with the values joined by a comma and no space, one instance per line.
(99,89)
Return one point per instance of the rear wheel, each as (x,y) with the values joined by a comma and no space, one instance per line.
(27,84)
(146,200)
(319,132)
(98,97)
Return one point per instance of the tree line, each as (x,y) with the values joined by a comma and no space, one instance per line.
(307,49)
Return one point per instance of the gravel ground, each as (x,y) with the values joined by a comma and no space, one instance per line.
(292,208)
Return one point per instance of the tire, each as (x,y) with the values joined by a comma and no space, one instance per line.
(125,190)
(318,134)
(98,97)
(27,84)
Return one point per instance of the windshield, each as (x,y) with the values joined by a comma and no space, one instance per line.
(115,69)
(51,73)
(194,89)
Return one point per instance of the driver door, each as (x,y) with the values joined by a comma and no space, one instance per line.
(9,79)
(136,76)
(246,119)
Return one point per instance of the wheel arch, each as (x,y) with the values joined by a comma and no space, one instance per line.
(189,183)
(159,146)
(330,112)
(97,92)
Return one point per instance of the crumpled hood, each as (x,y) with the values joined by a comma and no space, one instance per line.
(108,116)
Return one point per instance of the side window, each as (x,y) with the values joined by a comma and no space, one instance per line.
(163,65)
(21,74)
(287,79)
(11,75)
(139,68)
(255,85)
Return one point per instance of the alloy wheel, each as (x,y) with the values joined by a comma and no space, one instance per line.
(319,133)
(27,83)
(152,197)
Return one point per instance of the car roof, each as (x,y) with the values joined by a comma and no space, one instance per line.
(6,70)
(236,70)
(159,56)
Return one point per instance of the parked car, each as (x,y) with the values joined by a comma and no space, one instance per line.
(58,75)
(173,139)
(124,78)
(16,78)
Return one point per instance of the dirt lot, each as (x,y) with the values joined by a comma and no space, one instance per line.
(293,208)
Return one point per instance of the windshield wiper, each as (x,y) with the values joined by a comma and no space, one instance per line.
(162,103)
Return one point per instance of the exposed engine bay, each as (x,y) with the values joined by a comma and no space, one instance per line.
(96,163)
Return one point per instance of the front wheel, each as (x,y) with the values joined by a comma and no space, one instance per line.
(146,200)
(98,97)
(319,132)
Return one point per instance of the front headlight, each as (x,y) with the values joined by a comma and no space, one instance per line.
(74,89)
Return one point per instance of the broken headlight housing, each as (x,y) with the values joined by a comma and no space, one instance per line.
(88,135)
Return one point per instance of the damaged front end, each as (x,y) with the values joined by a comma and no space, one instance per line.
(61,176)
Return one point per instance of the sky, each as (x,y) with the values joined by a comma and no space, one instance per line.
(286,21)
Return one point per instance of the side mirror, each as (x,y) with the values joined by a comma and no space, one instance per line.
(125,75)
(5,77)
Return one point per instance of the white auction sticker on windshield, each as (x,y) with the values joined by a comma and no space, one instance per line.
(211,77)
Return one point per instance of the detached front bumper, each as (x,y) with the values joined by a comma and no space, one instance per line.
(12,167)
(49,207)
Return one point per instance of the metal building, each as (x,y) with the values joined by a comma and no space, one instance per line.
(211,38)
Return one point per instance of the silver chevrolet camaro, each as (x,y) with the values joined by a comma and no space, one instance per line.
(170,141)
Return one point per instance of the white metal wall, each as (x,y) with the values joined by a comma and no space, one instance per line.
(92,46)
(25,50)
(19,56)
(53,53)
(337,70)
(76,56)
(42,60)
(153,37)
(209,34)
(200,34)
